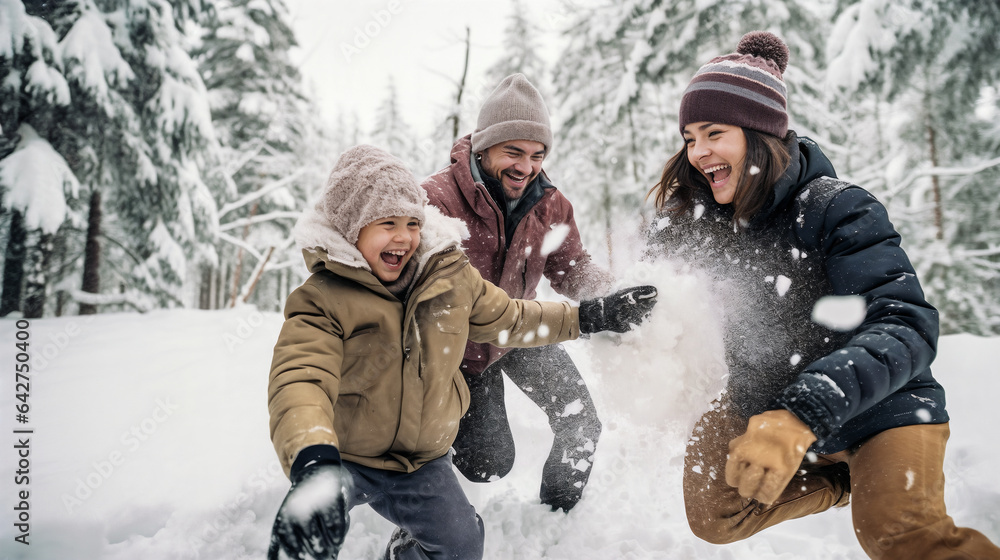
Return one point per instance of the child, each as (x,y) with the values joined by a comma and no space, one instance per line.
(365,392)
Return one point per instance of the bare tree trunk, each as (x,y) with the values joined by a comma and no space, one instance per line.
(239,260)
(205,288)
(461,88)
(92,253)
(213,286)
(13,268)
(37,284)
(257,274)
(935,181)
(220,296)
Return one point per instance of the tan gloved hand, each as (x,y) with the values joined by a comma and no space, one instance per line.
(763,460)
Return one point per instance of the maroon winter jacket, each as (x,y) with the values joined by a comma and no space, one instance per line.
(517,269)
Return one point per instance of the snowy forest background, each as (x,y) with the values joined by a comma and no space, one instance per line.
(156,153)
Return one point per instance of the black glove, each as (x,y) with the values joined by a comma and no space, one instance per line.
(617,312)
(312,521)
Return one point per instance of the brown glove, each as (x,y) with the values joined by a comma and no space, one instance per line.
(763,460)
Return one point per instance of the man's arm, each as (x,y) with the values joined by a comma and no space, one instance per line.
(570,268)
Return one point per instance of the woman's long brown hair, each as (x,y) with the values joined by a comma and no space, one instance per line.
(681,184)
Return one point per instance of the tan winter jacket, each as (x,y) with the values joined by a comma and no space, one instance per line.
(356,368)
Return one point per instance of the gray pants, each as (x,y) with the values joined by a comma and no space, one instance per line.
(485,446)
(428,503)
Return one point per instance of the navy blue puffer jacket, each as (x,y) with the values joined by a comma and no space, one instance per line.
(816,237)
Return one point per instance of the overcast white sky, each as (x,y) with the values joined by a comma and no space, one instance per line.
(350,50)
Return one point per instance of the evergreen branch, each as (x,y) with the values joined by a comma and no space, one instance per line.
(229,207)
(944,172)
(980,252)
(239,243)
(985,263)
(249,153)
(282,265)
(248,288)
(88,298)
(270,216)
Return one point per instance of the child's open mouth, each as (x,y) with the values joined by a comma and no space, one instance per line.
(393,258)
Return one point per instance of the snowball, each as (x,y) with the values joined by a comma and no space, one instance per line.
(315,493)
(782,284)
(554,238)
(840,313)
(575,407)
(699,210)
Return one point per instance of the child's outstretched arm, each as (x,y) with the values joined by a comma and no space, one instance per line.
(503,321)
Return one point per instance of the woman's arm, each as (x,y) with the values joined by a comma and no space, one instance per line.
(897,339)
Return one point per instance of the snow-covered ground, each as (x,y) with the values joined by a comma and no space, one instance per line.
(150,441)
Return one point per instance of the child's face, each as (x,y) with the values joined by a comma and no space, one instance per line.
(388,243)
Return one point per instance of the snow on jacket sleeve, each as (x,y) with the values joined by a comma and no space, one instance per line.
(305,376)
(503,321)
(897,339)
(570,269)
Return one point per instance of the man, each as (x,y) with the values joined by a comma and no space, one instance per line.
(521,228)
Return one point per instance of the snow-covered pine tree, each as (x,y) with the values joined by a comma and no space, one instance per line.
(166,208)
(522,47)
(92,131)
(274,152)
(919,69)
(393,133)
(34,199)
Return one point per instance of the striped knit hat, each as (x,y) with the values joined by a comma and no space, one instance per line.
(742,89)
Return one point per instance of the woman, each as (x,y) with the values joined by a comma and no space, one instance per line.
(812,418)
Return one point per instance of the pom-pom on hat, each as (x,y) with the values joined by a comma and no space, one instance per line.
(742,89)
(368,184)
(513,111)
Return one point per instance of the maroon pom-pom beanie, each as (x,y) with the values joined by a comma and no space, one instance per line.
(742,89)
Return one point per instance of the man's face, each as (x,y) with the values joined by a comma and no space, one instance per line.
(515,164)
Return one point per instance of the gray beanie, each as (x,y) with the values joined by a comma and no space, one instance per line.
(368,184)
(514,111)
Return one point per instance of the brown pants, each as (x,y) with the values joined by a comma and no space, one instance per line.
(895,485)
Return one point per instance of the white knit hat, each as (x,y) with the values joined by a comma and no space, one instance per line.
(367,184)
(514,111)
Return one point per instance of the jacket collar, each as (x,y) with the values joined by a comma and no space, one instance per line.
(807,163)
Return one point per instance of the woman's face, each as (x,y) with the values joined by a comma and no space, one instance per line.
(717,151)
